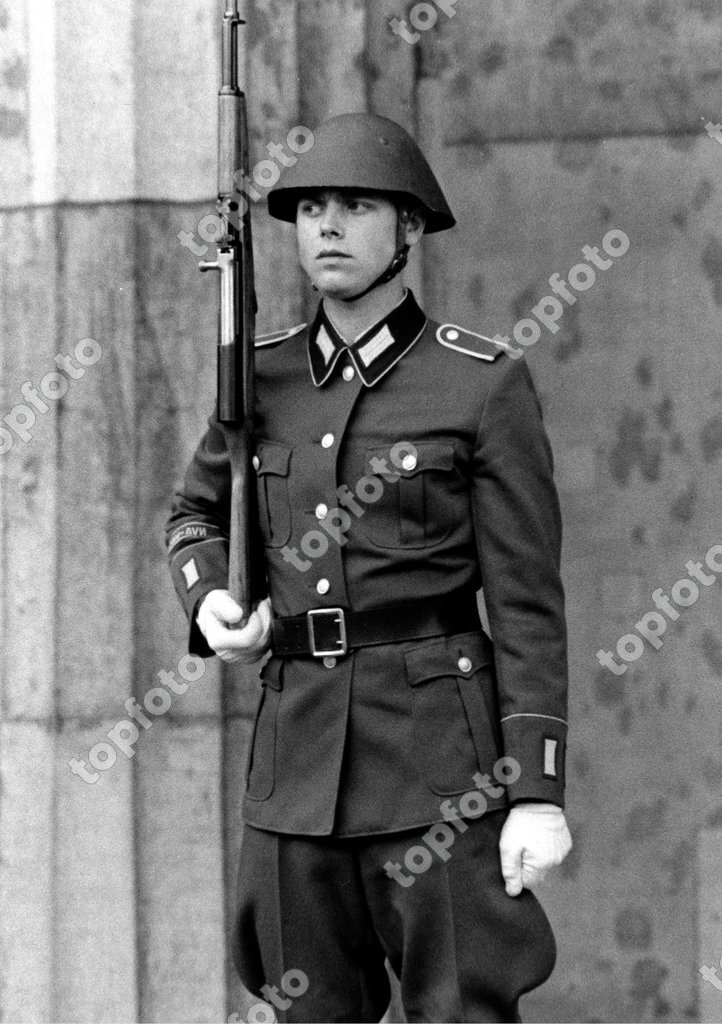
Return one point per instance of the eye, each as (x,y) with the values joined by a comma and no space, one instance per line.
(358,205)
(309,207)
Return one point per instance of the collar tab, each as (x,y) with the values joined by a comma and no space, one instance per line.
(375,352)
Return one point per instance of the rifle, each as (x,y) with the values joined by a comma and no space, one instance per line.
(237,312)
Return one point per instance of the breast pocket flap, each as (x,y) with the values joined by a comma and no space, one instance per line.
(273,459)
(412,459)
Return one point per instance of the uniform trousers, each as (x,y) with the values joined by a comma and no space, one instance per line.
(462,949)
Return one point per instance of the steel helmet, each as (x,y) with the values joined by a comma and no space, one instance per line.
(364,152)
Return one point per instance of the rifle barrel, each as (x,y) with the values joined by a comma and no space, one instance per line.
(236,318)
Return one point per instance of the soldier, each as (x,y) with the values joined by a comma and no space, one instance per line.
(405,776)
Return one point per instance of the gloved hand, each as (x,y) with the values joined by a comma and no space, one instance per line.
(534,838)
(217,611)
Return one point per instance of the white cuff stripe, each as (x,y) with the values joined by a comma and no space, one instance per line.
(529,714)
(550,757)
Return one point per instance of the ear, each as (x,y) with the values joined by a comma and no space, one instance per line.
(414,221)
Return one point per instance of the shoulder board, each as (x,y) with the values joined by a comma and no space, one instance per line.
(471,344)
(276,336)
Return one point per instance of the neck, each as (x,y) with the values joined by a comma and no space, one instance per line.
(352,319)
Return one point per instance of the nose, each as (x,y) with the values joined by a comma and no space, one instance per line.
(331,224)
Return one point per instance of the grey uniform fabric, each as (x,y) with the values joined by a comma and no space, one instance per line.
(432,444)
(462,949)
(372,743)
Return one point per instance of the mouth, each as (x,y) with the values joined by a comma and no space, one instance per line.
(333,254)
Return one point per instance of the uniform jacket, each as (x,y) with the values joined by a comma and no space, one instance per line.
(431,442)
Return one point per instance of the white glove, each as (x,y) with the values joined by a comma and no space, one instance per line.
(534,838)
(218,610)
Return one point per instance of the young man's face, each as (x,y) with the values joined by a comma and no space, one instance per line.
(345,239)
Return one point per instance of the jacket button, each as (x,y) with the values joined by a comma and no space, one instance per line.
(321,511)
(348,373)
(323,586)
(465,664)
(327,440)
(408,462)
(256,462)
(329,662)
(452,335)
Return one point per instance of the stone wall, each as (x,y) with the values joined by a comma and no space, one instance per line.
(550,124)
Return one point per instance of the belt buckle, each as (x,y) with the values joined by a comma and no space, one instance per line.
(339,618)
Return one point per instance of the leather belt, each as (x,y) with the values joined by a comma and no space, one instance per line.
(332,632)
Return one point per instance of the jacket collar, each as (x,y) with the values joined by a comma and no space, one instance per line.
(375,352)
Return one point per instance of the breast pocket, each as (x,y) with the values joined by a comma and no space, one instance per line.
(414,509)
(455,717)
(274,503)
(261,767)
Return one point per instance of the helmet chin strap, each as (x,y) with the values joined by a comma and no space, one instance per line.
(396,265)
(398,262)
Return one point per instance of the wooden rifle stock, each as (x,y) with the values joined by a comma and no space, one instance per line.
(237,313)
